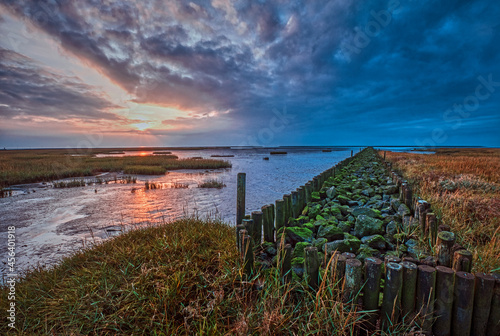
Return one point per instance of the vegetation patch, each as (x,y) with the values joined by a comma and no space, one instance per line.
(212,183)
(145,170)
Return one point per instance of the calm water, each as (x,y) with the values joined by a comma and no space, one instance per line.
(50,223)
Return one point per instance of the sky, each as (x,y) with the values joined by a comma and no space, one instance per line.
(108,73)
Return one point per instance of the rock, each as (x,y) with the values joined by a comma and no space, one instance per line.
(344,245)
(331,192)
(298,266)
(391,189)
(315,196)
(395,203)
(357,211)
(366,252)
(391,228)
(298,251)
(330,232)
(297,234)
(345,226)
(375,241)
(269,248)
(353,203)
(403,210)
(319,243)
(343,200)
(367,226)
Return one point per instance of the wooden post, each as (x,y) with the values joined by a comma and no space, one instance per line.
(242,233)
(249,227)
(408,290)
(493,327)
(280,214)
(431,224)
(483,293)
(257,217)
(402,192)
(463,300)
(295,204)
(445,280)
(288,207)
(286,263)
(351,152)
(423,208)
(371,290)
(409,198)
(337,268)
(248,258)
(239,227)
(308,192)
(353,279)
(444,244)
(240,197)
(302,199)
(389,258)
(312,266)
(462,261)
(426,289)
(268,223)
(384,155)
(315,182)
(391,303)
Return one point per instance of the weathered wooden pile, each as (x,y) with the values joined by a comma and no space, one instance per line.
(357,226)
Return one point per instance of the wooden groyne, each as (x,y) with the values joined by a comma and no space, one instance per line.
(361,221)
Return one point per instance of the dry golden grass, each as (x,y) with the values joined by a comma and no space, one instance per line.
(463,186)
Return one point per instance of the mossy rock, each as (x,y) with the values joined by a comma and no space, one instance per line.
(375,241)
(357,211)
(366,252)
(315,196)
(298,234)
(367,226)
(319,243)
(345,226)
(298,266)
(403,210)
(344,245)
(298,250)
(330,232)
(343,199)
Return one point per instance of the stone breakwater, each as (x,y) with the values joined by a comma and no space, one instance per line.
(356,211)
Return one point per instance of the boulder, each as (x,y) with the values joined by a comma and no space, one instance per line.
(343,200)
(357,211)
(344,245)
(367,226)
(331,192)
(375,241)
(298,266)
(330,232)
(403,210)
(298,250)
(298,234)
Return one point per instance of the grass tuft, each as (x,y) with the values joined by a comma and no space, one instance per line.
(212,183)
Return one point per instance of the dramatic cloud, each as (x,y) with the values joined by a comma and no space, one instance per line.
(348,72)
(28,90)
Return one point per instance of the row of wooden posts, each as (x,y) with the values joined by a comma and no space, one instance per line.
(460,303)
(443,298)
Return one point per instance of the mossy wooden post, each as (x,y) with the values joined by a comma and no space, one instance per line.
(240,197)
(389,258)
(268,223)
(426,291)
(257,217)
(239,227)
(288,207)
(444,243)
(391,303)
(295,204)
(351,152)
(493,327)
(432,227)
(483,293)
(409,198)
(308,192)
(409,289)
(423,208)
(371,290)
(462,261)
(353,279)
(463,301)
(445,280)
(280,214)
(248,258)
(402,192)
(286,263)
(311,264)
